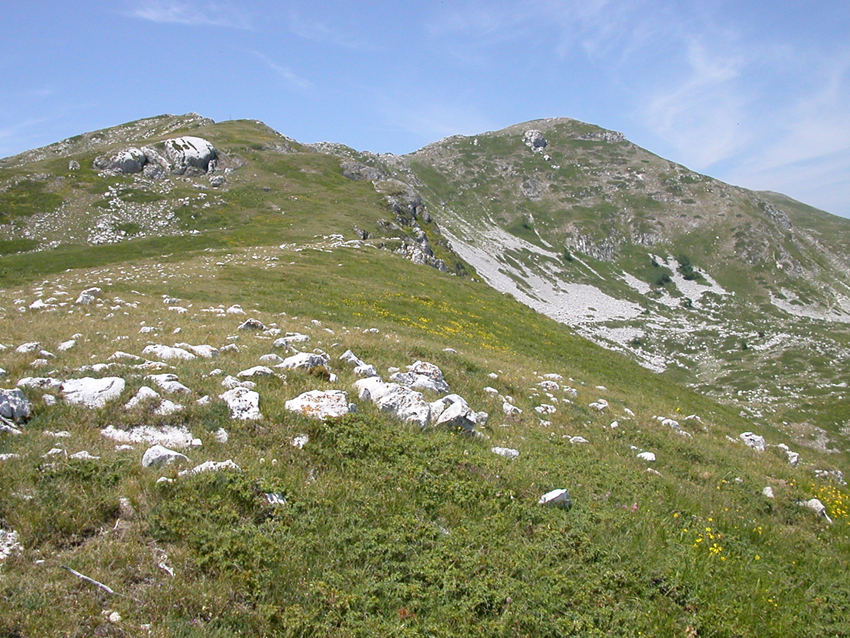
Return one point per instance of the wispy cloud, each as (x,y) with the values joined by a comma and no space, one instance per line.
(284,72)
(192,14)
(322,32)
(434,119)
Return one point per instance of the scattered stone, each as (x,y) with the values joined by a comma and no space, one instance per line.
(649,457)
(203,351)
(270,358)
(221,435)
(211,466)
(145,394)
(401,401)
(275,498)
(534,140)
(256,371)
(599,405)
(235,309)
(158,455)
(40,383)
(88,296)
(169,383)
(457,415)
(84,455)
(14,405)
(300,441)
(92,393)
(26,348)
(753,440)
(767,492)
(578,439)
(125,508)
(507,452)
(318,404)
(510,409)
(818,507)
(422,376)
(556,497)
(251,324)
(167,408)
(231,382)
(9,456)
(166,435)
(304,361)
(360,369)
(166,353)
(244,404)
(9,544)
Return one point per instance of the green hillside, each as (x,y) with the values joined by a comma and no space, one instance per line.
(364,525)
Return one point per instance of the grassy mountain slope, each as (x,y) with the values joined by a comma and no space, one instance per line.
(743,295)
(376,527)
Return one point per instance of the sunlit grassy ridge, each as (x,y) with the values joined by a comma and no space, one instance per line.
(388,530)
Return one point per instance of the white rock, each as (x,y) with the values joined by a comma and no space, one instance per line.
(204,400)
(9,456)
(40,383)
(300,441)
(818,507)
(304,361)
(578,439)
(14,405)
(166,353)
(599,405)
(271,358)
(211,466)
(753,440)
(545,408)
(319,404)
(26,348)
(231,382)
(84,455)
(89,295)
(166,435)
(251,324)
(221,435)
(510,409)
(124,356)
(244,404)
(556,497)
(167,408)
(256,371)
(492,391)
(793,457)
(144,394)
(402,402)
(456,415)
(235,309)
(158,455)
(203,351)
(649,457)
(422,376)
(767,492)
(92,393)
(507,452)
(9,544)
(169,383)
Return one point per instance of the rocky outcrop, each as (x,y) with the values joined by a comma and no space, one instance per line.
(180,156)
(534,140)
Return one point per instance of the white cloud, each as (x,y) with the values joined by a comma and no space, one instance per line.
(186,13)
(285,72)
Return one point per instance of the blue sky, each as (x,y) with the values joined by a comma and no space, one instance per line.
(754,93)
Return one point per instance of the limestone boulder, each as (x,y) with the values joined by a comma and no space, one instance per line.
(92,393)
(159,456)
(244,404)
(322,405)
